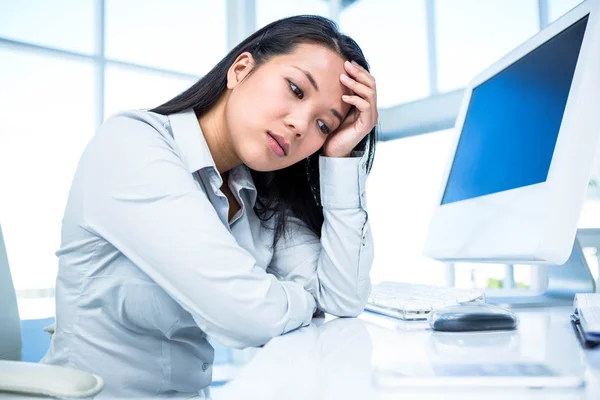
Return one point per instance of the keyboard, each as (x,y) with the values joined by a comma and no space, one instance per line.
(409,301)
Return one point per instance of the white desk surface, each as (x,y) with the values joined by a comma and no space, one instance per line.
(335,358)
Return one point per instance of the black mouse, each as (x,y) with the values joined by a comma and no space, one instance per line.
(472,317)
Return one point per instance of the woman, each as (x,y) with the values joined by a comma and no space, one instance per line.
(235,210)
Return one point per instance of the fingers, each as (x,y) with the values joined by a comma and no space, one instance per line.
(360,74)
(357,87)
(360,81)
(367,113)
(357,101)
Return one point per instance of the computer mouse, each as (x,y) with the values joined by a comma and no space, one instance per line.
(472,317)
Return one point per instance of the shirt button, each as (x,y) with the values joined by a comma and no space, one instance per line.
(205,366)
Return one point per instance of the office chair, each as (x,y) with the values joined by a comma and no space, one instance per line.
(23,379)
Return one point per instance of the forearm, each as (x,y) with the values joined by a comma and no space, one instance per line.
(335,268)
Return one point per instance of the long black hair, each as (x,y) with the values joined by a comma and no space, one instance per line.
(292,191)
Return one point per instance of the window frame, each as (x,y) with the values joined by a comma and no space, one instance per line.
(399,121)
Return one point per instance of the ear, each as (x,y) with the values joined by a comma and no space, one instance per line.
(240,68)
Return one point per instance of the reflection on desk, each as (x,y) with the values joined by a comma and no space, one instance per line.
(336,358)
(332,360)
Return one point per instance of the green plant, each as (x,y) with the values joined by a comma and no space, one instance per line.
(494,283)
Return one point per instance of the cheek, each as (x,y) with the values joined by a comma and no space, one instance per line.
(310,145)
(260,105)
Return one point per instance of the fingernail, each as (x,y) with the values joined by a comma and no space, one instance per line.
(355,63)
(348,63)
(344,76)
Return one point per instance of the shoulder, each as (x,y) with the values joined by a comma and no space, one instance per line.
(135,141)
(133,132)
(131,123)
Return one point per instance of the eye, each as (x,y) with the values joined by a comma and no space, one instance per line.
(324,128)
(297,91)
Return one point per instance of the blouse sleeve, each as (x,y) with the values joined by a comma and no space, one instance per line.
(334,269)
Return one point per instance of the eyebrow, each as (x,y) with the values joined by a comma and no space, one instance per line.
(310,77)
(337,114)
(312,81)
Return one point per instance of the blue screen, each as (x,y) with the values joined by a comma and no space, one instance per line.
(513,119)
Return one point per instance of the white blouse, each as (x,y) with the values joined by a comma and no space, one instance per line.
(149,265)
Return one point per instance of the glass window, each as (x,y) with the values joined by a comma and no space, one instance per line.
(175,35)
(556,8)
(473,34)
(492,276)
(268,11)
(403,189)
(590,213)
(49,107)
(591,256)
(130,88)
(63,24)
(393,37)
(523,276)
(477,275)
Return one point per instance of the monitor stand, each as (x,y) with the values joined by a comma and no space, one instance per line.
(564,282)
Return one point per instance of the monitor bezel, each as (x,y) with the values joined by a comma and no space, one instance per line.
(517,225)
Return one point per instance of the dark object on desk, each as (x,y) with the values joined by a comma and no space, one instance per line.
(587,340)
(472,317)
(586,319)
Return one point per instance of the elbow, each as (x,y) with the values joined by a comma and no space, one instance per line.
(352,312)
(254,334)
(249,330)
(346,310)
(357,306)
(352,305)
(265,326)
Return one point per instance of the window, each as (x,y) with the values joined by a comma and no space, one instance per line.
(130,88)
(590,213)
(473,34)
(476,275)
(50,23)
(49,107)
(52,99)
(174,35)
(402,191)
(393,37)
(556,8)
(590,218)
(268,11)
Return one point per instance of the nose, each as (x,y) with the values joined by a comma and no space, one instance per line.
(297,124)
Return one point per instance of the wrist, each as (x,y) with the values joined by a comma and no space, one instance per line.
(336,155)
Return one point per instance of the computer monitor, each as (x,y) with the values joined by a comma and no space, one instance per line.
(526,135)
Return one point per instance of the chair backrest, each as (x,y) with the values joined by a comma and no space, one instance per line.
(10,323)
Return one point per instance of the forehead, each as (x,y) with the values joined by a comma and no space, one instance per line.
(317,59)
(324,66)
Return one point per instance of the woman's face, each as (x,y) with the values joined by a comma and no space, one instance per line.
(284,110)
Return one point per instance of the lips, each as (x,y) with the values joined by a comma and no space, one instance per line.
(281,141)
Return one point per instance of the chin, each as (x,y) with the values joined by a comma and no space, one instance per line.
(264,166)
(262,161)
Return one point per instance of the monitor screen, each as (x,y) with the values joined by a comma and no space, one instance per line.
(513,119)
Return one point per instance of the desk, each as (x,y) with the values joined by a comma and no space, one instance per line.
(335,358)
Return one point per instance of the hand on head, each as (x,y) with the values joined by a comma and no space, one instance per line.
(361,119)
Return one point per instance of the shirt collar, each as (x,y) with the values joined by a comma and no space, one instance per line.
(242,179)
(196,154)
(191,142)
